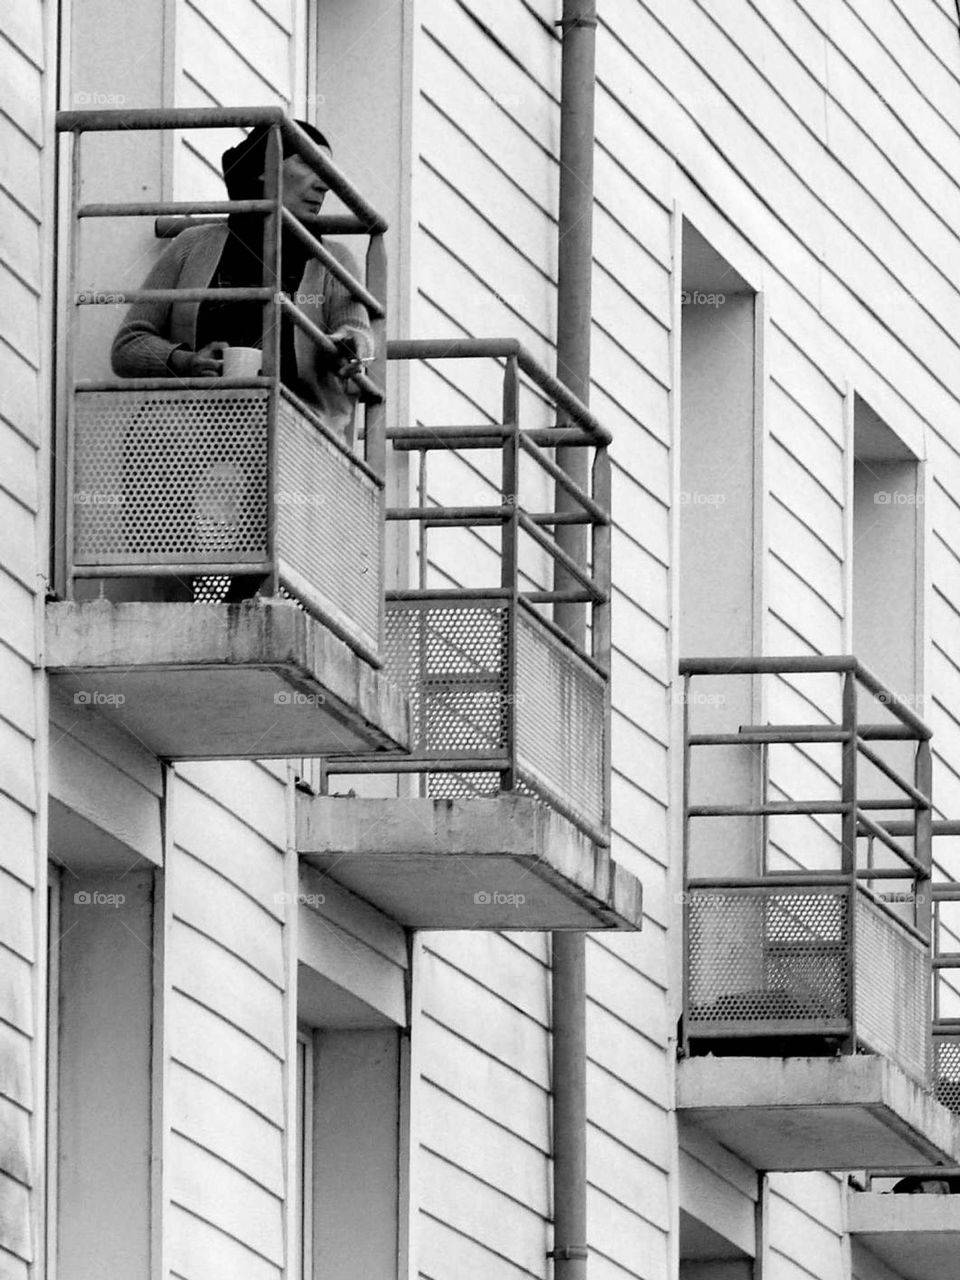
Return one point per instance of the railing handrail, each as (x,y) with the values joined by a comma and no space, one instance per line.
(501,349)
(818,664)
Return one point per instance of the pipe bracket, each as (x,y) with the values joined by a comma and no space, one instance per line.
(570,1253)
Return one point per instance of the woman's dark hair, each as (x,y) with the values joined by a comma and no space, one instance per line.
(243,164)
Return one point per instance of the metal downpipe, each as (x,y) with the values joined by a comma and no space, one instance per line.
(578,33)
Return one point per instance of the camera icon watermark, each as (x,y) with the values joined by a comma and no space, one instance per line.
(96,898)
(293,698)
(494,898)
(97,698)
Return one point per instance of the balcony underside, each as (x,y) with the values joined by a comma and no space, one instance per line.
(918,1236)
(504,863)
(202,681)
(857,1111)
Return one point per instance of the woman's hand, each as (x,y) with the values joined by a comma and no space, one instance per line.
(205,363)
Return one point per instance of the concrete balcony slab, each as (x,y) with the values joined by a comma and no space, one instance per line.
(507,862)
(217,681)
(857,1111)
(917,1236)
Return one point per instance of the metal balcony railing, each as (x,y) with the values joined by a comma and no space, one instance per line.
(804,959)
(204,479)
(502,699)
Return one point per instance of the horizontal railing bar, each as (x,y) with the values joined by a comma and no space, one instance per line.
(333,265)
(946,892)
(172,208)
(558,554)
(556,551)
(112,121)
(552,518)
(771,737)
(501,349)
(168,227)
(450,515)
(417,764)
(785,1026)
(570,486)
(456,595)
(173,383)
(901,802)
(771,807)
(874,828)
(946,1026)
(878,762)
(111,297)
(947,960)
(183,568)
(552,597)
(940,827)
(772,880)
(443,436)
(362,381)
(884,873)
(551,437)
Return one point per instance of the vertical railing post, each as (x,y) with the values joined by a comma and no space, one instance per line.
(509,560)
(685,874)
(600,615)
(375,414)
(848,842)
(272,321)
(923,894)
(66,403)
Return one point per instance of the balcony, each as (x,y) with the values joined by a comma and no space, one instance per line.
(916,1235)
(807,921)
(500,814)
(219,546)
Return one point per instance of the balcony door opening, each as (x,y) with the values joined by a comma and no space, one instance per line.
(718,538)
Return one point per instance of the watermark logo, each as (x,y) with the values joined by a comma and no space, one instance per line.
(488,898)
(97,98)
(699,699)
(95,898)
(284,899)
(97,698)
(698,298)
(696,498)
(293,698)
(897,498)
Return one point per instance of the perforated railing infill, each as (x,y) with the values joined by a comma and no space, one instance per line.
(169,477)
(946,1070)
(892,993)
(765,961)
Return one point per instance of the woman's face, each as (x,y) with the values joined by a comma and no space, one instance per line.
(303,189)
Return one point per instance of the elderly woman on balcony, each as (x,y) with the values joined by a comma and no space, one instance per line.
(186,339)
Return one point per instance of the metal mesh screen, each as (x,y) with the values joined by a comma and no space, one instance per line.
(764,961)
(167,477)
(450,661)
(946,1071)
(329,523)
(892,996)
(561,720)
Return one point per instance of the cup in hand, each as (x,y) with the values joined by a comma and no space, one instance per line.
(242,362)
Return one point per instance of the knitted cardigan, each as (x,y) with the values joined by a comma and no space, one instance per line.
(152,330)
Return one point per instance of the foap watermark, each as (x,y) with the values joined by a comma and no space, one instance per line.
(94,498)
(96,898)
(293,698)
(494,898)
(698,498)
(897,498)
(699,298)
(284,899)
(98,698)
(697,698)
(98,98)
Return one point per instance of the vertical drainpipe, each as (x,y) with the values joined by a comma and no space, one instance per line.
(578,35)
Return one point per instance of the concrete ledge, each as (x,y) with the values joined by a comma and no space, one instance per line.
(502,863)
(917,1236)
(857,1111)
(200,681)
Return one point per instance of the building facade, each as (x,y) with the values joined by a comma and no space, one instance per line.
(270,1008)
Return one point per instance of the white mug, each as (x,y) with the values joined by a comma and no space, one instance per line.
(242,362)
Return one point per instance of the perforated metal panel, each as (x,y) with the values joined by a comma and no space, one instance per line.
(892,989)
(450,661)
(329,524)
(765,961)
(166,477)
(946,1071)
(561,720)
